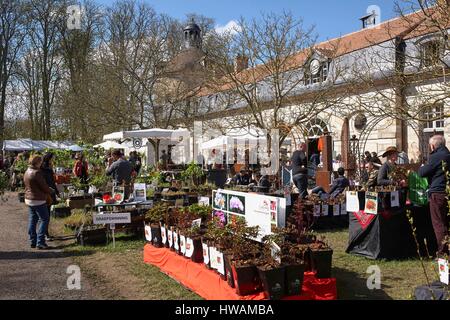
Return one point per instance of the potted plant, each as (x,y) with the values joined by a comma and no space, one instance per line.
(194,248)
(78,218)
(321,258)
(271,271)
(60,210)
(192,174)
(154,217)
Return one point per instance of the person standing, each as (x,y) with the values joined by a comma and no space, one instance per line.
(391,155)
(437,181)
(49,176)
(80,168)
(120,169)
(36,194)
(164,160)
(298,160)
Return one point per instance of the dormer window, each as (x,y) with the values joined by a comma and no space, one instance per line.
(430,53)
(316,72)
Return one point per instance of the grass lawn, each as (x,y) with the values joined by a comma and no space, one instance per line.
(121,274)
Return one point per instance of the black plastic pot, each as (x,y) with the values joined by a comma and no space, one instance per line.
(273,282)
(197,255)
(61,212)
(321,262)
(229,270)
(91,237)
(246,279)
(294,279)
(156,236)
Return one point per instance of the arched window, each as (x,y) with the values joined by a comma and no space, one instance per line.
(316,128)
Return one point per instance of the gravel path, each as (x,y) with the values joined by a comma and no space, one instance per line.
(27,273)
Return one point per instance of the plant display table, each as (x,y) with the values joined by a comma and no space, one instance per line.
(210,286)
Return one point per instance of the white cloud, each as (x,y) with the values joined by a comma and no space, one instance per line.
(232,27)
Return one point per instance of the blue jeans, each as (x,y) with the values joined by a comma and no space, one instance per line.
(38,213)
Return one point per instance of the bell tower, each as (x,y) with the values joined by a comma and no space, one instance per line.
(192,36)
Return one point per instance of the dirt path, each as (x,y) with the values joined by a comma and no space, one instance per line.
(27,273)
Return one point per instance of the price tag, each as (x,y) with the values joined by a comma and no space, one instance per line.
(148,233)
(317,210)
(325,209)
(336,210)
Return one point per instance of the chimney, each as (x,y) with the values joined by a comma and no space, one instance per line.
(240,63)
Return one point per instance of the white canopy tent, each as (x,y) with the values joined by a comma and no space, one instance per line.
(110,145)
(30,145)
(155,133)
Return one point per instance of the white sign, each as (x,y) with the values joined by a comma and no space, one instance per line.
(352,201)
(395,201)
(163,235)
(205,253)
(148,233)
(197,222)
(203,201)
(317,210)
(140,192)
(220,263)
(443,271)
(189,247)
(182,244)
(325,209)
(175,241)
(336,210)
(109,217)
(275,251)
(212,257)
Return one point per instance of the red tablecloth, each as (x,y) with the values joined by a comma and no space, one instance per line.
(207,283)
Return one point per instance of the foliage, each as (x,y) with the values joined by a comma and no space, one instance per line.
(199,211)
(99,180)
(61,158)
(157,213)
(78,185)
(78,218)
(192,173)
(4,183)
(21,165)
(149,175)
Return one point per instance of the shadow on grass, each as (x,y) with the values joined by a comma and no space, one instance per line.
(351,286)
(48,254)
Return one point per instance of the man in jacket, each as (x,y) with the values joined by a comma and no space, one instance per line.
(36,194)
(298,161)
(434,172)
(338,186)
(120,169)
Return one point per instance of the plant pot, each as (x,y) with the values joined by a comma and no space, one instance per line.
(246,279)
(156,236)
(321,261)
(21,197)
(229,270)
(273,282)
(61,212)
(91,236)
(294,279)
(197,255)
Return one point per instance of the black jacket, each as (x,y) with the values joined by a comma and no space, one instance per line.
(50,179)
(298,160)
(383,175)
(434,172)
(338,186)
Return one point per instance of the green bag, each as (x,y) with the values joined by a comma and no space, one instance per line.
(417,189)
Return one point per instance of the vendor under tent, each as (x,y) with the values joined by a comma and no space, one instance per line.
(158,139)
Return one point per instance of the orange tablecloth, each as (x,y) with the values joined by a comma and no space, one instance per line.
(207,283)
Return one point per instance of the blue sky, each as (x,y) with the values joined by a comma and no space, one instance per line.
(332,18)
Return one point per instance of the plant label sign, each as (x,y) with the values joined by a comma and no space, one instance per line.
(189,247)
(395,199)
(343,209)
(212,257)
(112,218)
(175,241)
(220,263)
(317,210)
(118,194)
(352,201)
(197,222)
(205,253)
(371,206)
(182,244)
(203,201)
(140,192)
(443,271)
(336,210)
(163,235)
(148,233)
(275,251)
(325,208)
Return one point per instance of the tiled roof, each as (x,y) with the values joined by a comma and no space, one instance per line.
(408,26)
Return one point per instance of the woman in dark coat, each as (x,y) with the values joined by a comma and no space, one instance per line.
(49,176)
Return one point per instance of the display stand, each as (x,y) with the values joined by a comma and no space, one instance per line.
(207,283)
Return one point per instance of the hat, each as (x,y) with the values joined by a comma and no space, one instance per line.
(389,150)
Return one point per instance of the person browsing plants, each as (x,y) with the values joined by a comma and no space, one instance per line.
(120,170)
(434,171)
(80,168)
(37,193)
